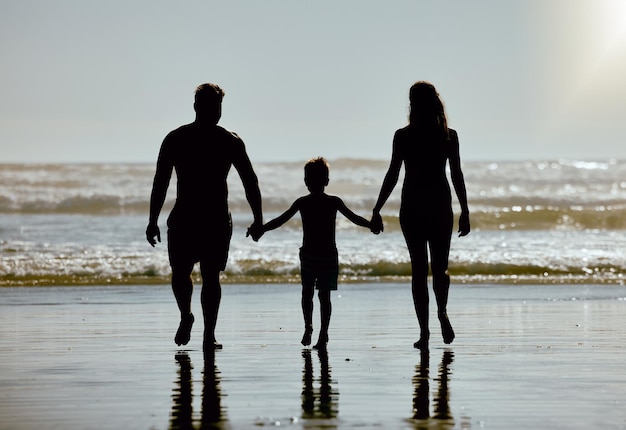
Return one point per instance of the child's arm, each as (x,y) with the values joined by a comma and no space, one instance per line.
(282,218)
(356,219)
(257,232)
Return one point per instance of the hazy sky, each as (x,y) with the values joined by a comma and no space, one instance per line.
(106,80)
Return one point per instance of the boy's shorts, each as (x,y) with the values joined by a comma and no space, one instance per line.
(210,244)
(322,271)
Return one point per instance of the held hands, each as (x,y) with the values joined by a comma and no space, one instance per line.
(153,231)
(255,231)
(376,224)
(464,224)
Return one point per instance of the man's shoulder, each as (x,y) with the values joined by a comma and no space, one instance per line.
(226,134)
(194,128)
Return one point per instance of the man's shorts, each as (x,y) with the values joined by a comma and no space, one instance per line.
(323,271)
(208,244)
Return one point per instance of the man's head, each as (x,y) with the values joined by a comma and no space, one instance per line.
(316,174)
(208,103)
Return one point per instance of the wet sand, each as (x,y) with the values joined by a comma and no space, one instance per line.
(549,356)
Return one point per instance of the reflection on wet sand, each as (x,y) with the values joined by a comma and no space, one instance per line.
(212,414)
(318,402)
(421,384)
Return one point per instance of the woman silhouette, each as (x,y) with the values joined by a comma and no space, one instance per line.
(425,146)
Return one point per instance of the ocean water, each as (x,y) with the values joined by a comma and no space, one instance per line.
(551,221)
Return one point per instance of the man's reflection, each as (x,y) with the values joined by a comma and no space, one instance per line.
(212,411)
(421,384)
(319,402)
(182,410)
(212,414)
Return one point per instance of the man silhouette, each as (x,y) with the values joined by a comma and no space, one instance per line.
(199,225)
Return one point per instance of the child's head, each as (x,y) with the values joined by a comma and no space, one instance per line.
(316,174)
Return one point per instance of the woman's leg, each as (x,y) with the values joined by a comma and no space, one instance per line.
(439,253)
(419,286)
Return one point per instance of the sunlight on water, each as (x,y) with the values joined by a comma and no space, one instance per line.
(545,221)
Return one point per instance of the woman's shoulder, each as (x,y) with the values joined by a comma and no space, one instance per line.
(403,131)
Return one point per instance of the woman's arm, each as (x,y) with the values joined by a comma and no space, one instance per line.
(389,183)
(458,182)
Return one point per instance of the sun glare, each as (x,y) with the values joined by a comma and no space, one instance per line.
(611,23)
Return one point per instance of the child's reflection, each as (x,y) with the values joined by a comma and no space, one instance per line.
(323,401)
(421,384)
(212,413)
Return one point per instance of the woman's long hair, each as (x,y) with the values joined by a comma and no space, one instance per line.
(426,111)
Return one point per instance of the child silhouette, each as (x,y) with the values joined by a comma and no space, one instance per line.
(319,263)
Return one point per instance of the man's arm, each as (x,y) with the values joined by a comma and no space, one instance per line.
(160,185)
(250,183)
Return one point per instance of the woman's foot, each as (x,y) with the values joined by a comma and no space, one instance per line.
(446,329)
(306,337)
(423,342)
(321,342)
(184,330)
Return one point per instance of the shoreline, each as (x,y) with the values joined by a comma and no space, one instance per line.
(78,281)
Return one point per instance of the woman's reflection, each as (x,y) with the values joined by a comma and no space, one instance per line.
(212,414)
(421,384)
(323,401)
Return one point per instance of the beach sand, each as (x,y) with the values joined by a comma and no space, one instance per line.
(526,356)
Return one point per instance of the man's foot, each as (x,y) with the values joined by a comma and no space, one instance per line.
(184,330)
(211,345)
(446,329)
(306,337)
(421,344)
(321,342)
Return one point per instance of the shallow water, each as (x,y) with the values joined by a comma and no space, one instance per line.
(103,357)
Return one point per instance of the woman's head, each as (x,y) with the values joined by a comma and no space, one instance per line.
(426,108)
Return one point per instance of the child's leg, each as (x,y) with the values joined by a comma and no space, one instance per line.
(308,290)
(325,312)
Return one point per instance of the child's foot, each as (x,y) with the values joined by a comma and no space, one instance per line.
(306,337)
(184,330)
(446,329)
(321,342)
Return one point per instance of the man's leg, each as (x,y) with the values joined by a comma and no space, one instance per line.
(182,286)
(211,297)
